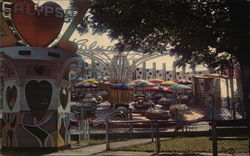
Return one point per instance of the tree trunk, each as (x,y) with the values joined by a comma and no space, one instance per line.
(245,80)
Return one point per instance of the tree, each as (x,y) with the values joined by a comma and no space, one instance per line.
(199,31)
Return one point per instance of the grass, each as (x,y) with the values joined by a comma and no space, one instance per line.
(192,145)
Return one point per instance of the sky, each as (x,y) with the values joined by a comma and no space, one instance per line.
(104,40)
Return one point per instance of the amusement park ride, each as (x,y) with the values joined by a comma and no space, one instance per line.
(120,65)
(36,85)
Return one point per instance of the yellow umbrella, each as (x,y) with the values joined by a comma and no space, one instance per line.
(168,83)
(90,81)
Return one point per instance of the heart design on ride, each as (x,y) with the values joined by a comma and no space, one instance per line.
(11,95)
(38,27)
(38,96)
(39,69)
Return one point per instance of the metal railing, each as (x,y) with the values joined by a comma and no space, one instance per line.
(216,133)
(162,136)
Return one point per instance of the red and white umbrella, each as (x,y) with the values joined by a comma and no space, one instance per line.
(156,81)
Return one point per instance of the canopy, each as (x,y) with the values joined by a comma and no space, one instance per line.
(144,84)
(184,81)
(179,87)
(168,83)
(90,81)
(155,81)
(160,89)
(86,85)
(134,82)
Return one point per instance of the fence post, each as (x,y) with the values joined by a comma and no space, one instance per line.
(213,124)
(86,128)
(157,137)
(214,138)
(107,136)
(131,124)
(152,130)
(81,130)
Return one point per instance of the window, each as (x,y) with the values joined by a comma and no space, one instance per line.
(11,95)
(64,97)
(42,91)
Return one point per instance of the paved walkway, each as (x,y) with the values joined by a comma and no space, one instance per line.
(89,150)
(101,149)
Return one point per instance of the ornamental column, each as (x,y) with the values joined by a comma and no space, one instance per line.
(36,76)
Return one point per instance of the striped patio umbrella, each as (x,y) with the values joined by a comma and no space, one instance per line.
(86,85)
(160,89)
(165,89)
(179,87)
(144,84)
(134,82)
(168,83)
(183,81)
(90,81)
(156,81)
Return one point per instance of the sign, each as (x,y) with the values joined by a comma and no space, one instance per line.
(37,26)
(40,25)
(7,37)
(64,42)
